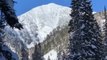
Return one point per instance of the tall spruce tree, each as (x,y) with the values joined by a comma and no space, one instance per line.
(38,55)
(85,42)
(105,28)
(6,6)
(105,35)
(7,14)
(74,15)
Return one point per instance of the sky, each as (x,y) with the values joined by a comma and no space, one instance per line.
(23,6)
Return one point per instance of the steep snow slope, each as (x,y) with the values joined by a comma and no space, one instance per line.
(45,18)
(38,23)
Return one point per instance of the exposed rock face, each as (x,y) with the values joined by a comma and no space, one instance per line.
(47,24)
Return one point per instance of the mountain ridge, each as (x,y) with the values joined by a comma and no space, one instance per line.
(45,23)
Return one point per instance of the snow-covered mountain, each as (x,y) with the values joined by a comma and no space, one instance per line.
(46,24)
(38,23)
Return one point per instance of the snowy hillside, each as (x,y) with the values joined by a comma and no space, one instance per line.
(38,23)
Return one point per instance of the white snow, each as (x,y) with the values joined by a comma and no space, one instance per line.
(106,57)
(43,32)
(94,12)
(101,23)
(52,55)
(93,46)
(83,26)
(30,45)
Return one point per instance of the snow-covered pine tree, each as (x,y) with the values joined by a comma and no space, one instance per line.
(38,55)
(105,17)
(85,42)
(74,15)
(9,13)
(24,54)
(2,20)
(105,35)
(105,29)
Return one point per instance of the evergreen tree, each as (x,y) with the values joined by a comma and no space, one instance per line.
(37,53)
(9,14)
(2,20)
(24,54)
(85,42)
(105,31)
(62,55)
(74,15)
